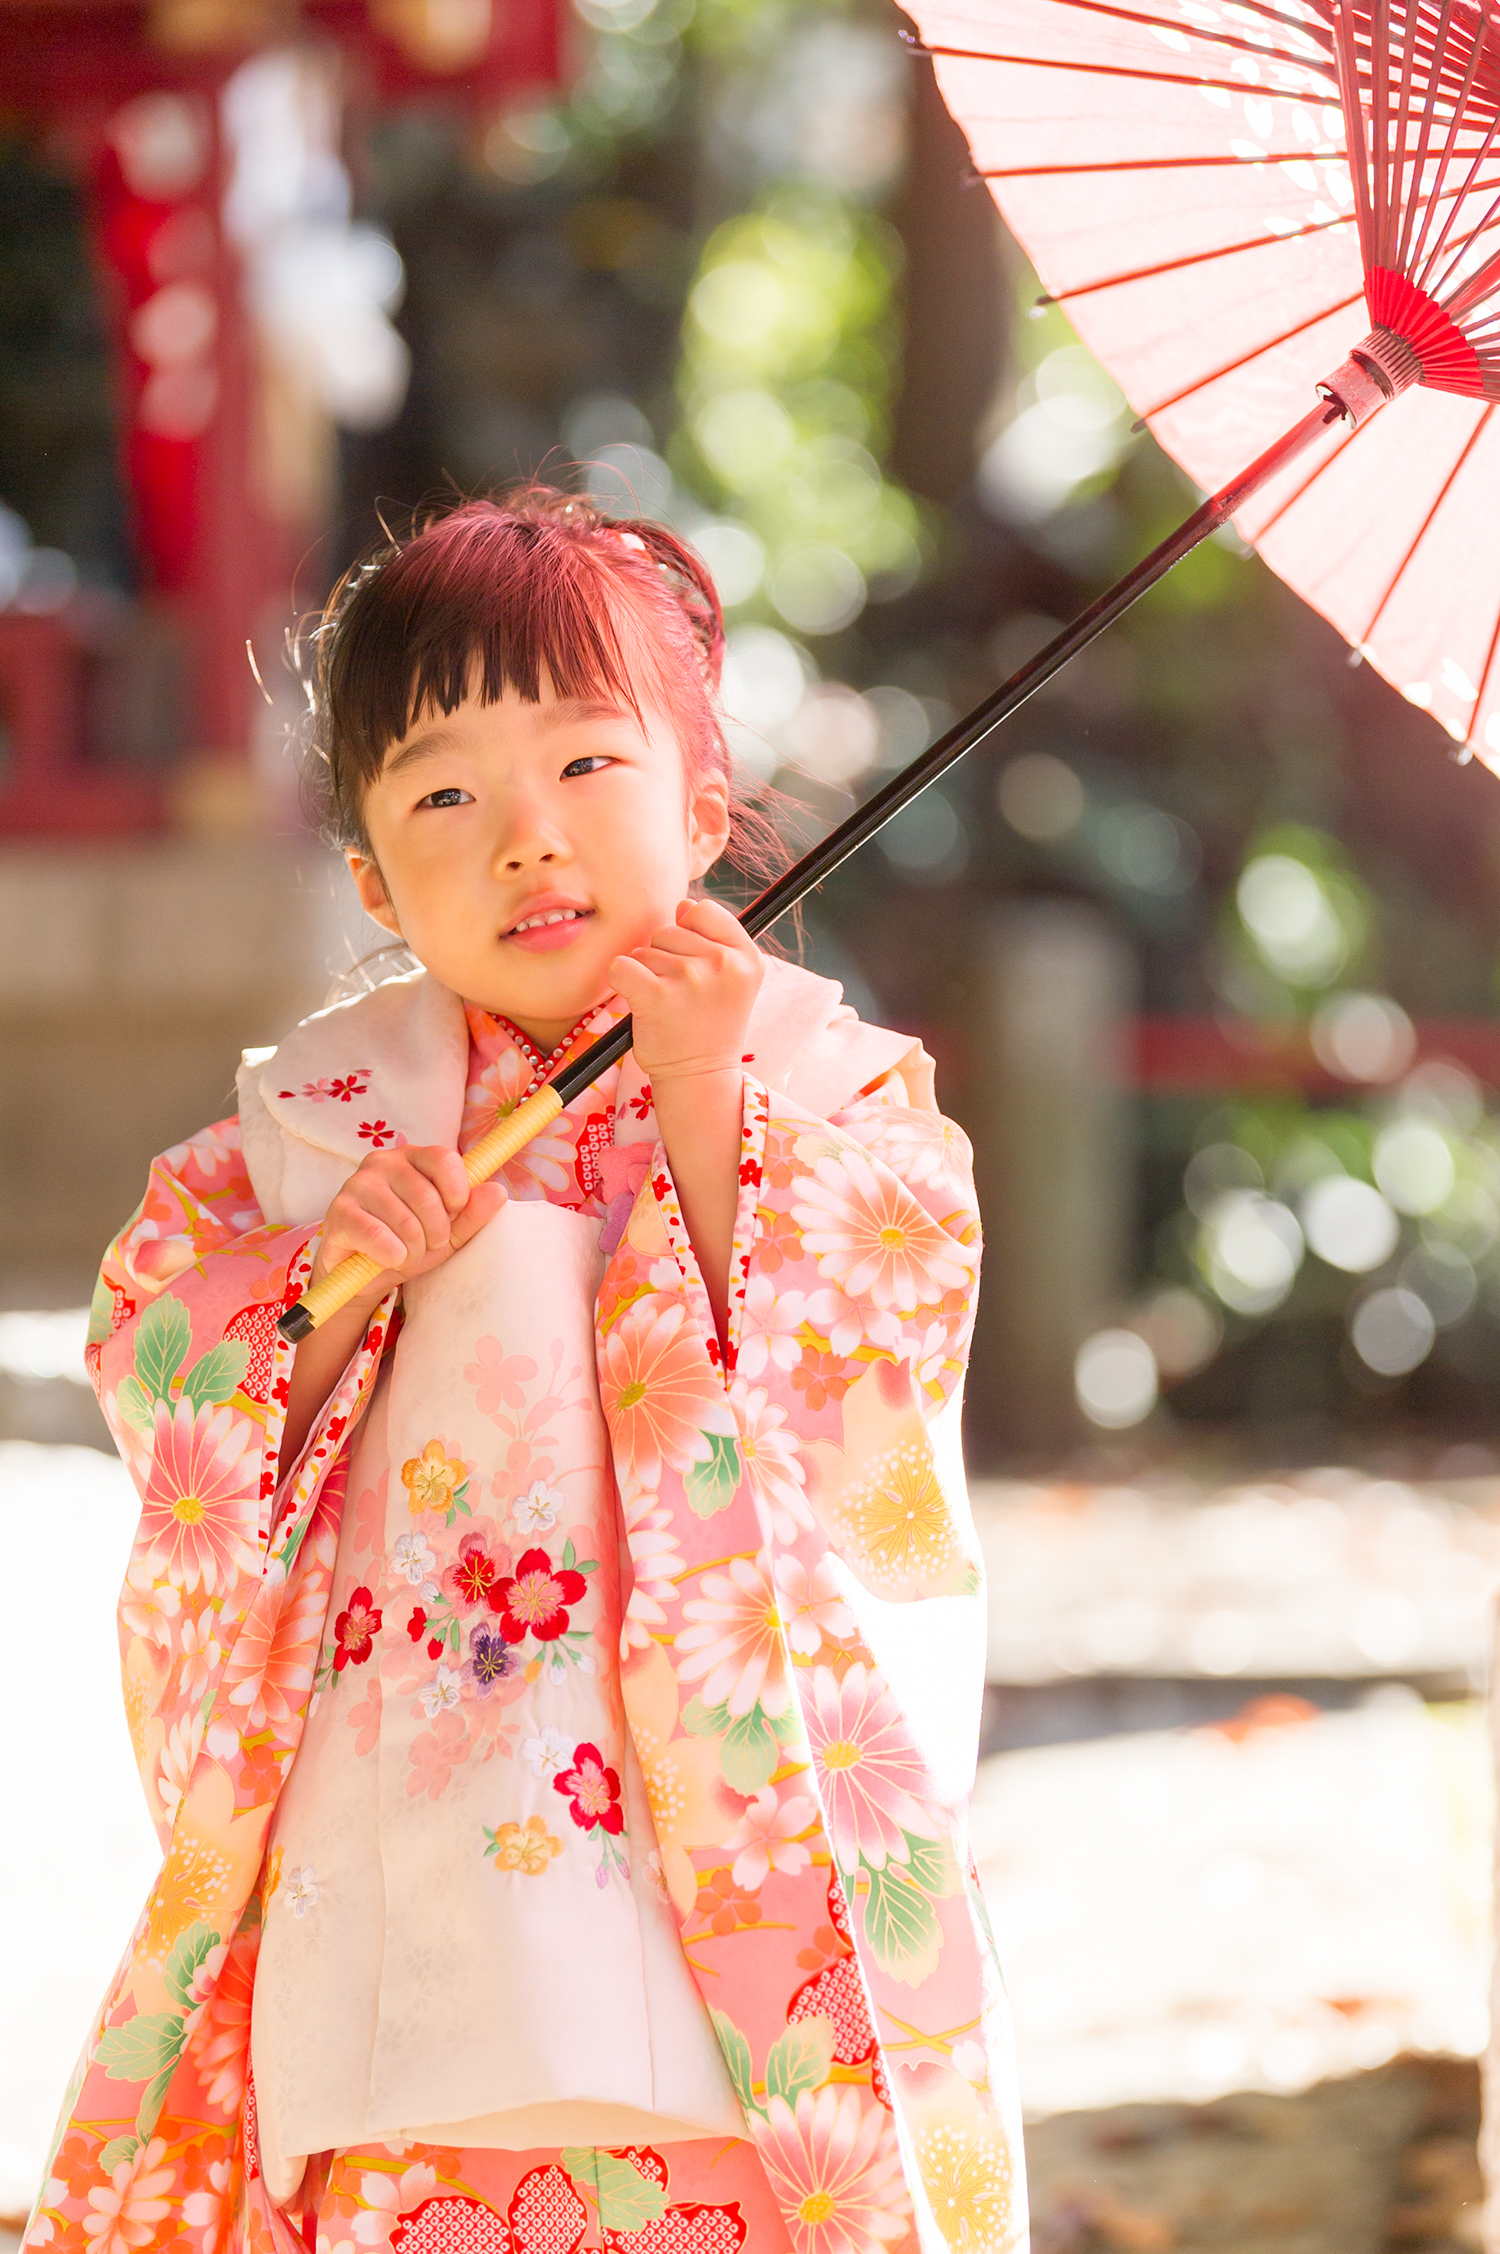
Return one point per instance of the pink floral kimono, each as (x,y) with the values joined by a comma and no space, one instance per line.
(562,1772)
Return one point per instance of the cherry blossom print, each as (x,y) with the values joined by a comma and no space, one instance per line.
(536,1511)
(203,2207)
(178,1754)
(811,1605)
(869,1235)
(443,1693)
(661,1395)
(535,1599)
(835,2167)
(209,1153)
(436,1754)
(413,1560)
(434,1481)
(735,1641)
(767,1838)
(592,1792)
(299,1890)
(380,1134)
(499,1379)
(528,1847)
(355,1630)
(491,1660)
(769,1321)
(771,1455)
(125,2212)
(202,1506)
(656,1559)
(548,1753)
(149,1606)
(198,1654)
(868,1772)
(848,1324)
(387,2197)
(473,1575)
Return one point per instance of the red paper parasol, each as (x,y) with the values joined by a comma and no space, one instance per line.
(1211,187)
(1225,196)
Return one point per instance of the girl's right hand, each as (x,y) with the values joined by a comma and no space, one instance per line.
(409,1209)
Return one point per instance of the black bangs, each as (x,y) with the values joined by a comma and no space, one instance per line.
(471,608)
(504,595)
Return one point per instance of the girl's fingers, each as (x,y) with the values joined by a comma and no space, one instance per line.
(484,1203)
(361,1232)
(445,1170)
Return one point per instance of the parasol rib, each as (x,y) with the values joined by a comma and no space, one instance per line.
(1189,391)
(1427,522)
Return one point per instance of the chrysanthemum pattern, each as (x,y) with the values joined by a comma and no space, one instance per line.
(770,1490)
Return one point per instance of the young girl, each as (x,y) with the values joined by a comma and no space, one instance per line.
(556,1682)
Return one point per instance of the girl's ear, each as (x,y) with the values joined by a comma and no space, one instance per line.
(708,823)
(370,885)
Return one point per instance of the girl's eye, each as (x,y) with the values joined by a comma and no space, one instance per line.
(453,797)
(588,765)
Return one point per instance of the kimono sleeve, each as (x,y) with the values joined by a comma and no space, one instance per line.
(192,1377)
(855,1270)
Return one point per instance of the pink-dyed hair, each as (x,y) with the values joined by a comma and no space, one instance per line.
(496,593)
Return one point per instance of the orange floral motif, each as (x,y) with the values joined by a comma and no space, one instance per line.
(527,1847)
(433,1479)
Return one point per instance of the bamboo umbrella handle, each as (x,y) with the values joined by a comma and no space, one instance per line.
(488,1155)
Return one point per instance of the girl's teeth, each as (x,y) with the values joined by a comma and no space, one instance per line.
(554,916)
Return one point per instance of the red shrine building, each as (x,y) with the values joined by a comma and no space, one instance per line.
(246,314)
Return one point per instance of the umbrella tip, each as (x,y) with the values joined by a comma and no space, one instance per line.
(1040,307)
(1356,657)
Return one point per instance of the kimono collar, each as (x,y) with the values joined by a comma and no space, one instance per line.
(392,1066)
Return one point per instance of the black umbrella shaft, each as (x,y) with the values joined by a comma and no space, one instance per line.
(962,737)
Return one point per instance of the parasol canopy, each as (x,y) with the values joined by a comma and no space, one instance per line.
(1227,197)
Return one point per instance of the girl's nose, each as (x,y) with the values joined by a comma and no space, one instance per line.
(528,840)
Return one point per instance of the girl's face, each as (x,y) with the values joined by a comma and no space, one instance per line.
(518,848)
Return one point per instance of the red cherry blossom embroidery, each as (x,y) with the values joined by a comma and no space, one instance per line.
(475,1574)
(355,1631)
(593,1790)
(534,1600)
(416,1627)
(434,1647)
(640,1104)
(750,1172)
(378,1132)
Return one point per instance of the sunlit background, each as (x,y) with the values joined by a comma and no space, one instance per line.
(1205,944)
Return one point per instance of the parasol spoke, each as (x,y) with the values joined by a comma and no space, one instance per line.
(1284,508)
(1232,367)
(1153,164)
(1429,209)
(1427,522)
(1316,96)
(1194,258)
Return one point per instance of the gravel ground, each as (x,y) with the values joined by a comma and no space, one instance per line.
(1380,2161)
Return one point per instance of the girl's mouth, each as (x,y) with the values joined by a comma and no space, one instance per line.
(545,929)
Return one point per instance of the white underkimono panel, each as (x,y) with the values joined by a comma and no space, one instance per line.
(409,1982)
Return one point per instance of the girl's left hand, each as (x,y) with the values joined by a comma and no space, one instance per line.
(691,989)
